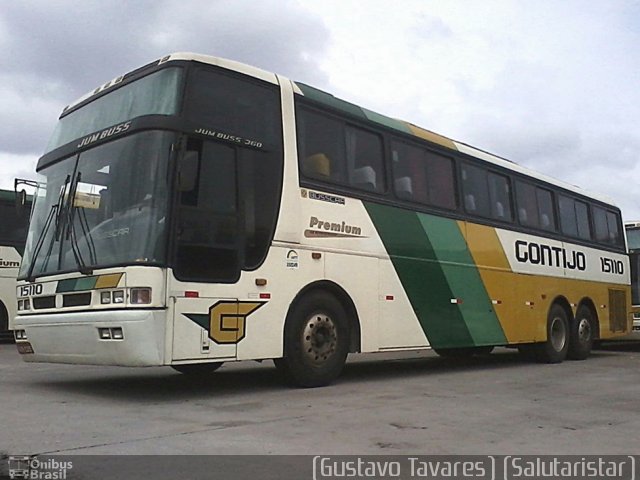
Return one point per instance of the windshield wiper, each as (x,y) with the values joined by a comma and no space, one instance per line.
(71,231)
(53,217)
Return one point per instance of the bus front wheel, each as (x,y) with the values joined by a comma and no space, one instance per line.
(316,341)
(555,348)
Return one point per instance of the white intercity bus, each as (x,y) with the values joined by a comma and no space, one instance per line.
(13,232)
(633,245)
(198,211)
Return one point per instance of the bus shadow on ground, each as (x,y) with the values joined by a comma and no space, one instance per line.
(162,385)
(620,346)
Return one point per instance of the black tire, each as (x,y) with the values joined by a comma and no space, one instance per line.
(527,351)
(197,368)
(316,341)
(582,334)
(555,348)
(464,352)
(5,333)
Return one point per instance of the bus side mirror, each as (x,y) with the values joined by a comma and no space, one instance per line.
(188,171)
(21,202)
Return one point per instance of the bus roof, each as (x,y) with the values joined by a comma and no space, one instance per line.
(360,112)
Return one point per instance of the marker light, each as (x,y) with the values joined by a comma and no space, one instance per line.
(140,296)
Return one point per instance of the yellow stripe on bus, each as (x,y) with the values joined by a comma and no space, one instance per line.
(521,301)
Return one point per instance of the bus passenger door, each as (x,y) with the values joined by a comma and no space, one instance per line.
(206,328)
(207,254)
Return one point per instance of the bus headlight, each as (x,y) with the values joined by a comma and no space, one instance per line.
(105,297)
(140,296)
(118,296)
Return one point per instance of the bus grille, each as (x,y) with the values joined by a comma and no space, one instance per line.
(617,310)
(44,302)
(76,299)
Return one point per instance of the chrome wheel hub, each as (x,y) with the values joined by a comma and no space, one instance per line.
(558,334)
(319,338)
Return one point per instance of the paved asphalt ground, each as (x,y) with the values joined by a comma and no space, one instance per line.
(410,403)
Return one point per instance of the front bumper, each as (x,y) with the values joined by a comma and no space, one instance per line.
(75,337)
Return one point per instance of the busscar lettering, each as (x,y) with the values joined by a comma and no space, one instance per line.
(549,255)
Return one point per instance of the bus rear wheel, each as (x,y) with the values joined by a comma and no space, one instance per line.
(316,341)
(197,368)
(555,348)
(582,334)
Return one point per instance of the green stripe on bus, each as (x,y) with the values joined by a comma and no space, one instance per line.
(464,279)
(76,284)
(421,274)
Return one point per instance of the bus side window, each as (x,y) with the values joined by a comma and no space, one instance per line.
(364,160)
(476,190)
(574,217)
(321,151)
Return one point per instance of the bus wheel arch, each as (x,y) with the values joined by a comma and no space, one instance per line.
(318,335)
(584,330)
(556,345)
(347,303)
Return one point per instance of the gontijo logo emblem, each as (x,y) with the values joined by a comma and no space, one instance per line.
(226,320)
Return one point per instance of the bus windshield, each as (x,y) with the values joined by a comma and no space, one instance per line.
(106,206)
(155,94)
(633,239)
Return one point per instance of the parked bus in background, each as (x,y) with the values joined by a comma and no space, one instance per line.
(633,245)
(13,232)
(198,211)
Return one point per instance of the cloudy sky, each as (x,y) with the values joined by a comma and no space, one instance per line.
(552,85)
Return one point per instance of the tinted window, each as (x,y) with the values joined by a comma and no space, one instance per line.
(546,212)
(574,217)
(535,206)
(600,225)
(441,181)
(423,176)
(321,149)
(475,191)
(14,227)
(235,106)
(207,230)
(582,217)
(527,205)
(615,234)
(607,227)
(499,195)
(364,160)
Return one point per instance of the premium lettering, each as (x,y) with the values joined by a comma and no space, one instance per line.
(342,227)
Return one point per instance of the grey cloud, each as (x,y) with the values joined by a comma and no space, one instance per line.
(54,52)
